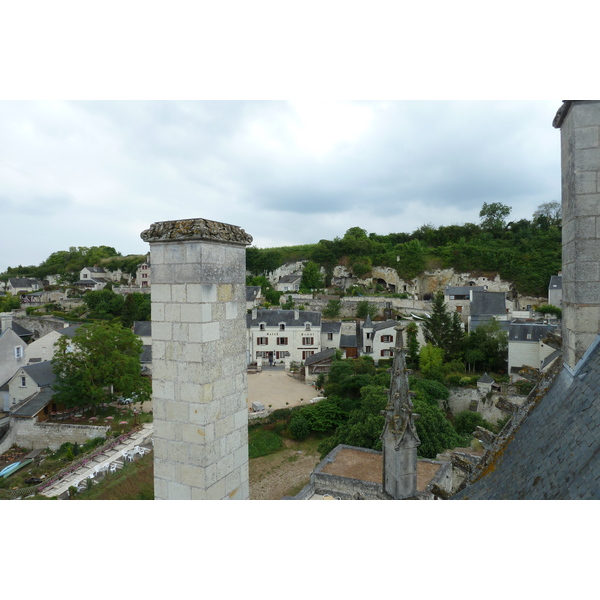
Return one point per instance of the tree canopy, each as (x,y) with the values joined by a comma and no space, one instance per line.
(98,364)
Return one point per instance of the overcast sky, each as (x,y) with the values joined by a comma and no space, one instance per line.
(89,173)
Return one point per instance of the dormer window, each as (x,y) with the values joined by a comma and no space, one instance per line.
(262,326)
(281,326)
(18,351)
(307,326)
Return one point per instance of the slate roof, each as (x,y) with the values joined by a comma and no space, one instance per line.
(488,303)
(348,341)
(96,269)
(485,378)
(41,373)
(476,321)
(252,292)
(554,454)
(319,356)
(142,328)
(462,290)
(331,327)
(555,282)
(289,278)
(33,405)
(519,332)
(19,330)
(146,355)
(272,318)
(550,358)
(384,325)
(368,323)
(69,331)
(24,282)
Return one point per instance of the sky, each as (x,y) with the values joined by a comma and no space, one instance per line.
(90,173)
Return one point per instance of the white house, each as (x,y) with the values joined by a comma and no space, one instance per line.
(289,283)
(16,285)
(142,276)
(93,278)
(555,290)
(283,335)
(13,356)
(43,349)
(525,346)
(330,335)
(378,339)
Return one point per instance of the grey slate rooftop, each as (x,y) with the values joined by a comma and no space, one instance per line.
(555,282)
(319,356)
(529,332)
(272,318)
(331,327)
(19,330)
(488,303)
(142,328)
(252,292)
(379,325)
(554,454)
(31,406)
(41,373)
(348,341)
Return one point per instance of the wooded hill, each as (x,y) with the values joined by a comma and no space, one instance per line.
(526,252)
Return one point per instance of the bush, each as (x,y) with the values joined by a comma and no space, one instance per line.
(262,442)
(300,428)
(524,387)
(466,422)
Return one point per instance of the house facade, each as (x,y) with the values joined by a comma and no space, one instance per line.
(555,290)
(13,356)
(93,278)
(16,285)
(30,380)
(289,283)
(525,346)
(43,349)
(486,306)
(142,276)
(283,335)
(331,335)
(378,339)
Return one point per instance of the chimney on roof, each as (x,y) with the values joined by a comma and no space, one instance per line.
(296,314)
(254,314)
(579,123)
(6,321)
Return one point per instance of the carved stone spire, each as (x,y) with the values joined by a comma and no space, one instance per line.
(400,439)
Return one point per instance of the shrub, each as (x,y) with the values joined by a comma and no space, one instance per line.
(524,387)
(262,442)
(300,428)
(467,421)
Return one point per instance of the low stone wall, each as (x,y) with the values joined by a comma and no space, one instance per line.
(461,398)
(31,434)
(40,326)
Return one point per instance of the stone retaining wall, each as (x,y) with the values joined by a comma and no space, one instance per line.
(31,434)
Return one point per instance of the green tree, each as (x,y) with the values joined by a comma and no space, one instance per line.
(100,362)
(493,215)
(311,278)
(364,309)
(332,310)
(443,329)
(412,357)
(431,359)
(9,302)
(550,309)
(488,346)
(552,211)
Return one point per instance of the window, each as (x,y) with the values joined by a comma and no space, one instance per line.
(370,335)
(386,339)
(282,341)
(262,341)
(307,326)
(308,341)
(281,326)
(387,353)
(369,349)
(23,382)
(451,297)
(85,276)
(307,353)
(459,309)
(262,326)
(528,336)
(329,337)
(18,351)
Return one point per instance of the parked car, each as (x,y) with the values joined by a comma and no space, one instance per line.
(123,400)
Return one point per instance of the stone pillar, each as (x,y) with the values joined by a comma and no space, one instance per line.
(199,360)
(400,439)
(579,123)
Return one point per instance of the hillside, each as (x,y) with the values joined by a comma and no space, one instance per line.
(526,252)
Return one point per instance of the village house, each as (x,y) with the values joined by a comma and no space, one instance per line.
(555,290)
(92,278)
(142,276)
(288,283)
(486,306)
(43,349)
(331,334)
(283,335)
(13,355)
(253,296)
(377,339)
(458,298)
(526,347)
(17,285)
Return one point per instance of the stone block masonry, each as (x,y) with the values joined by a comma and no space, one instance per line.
(199,354)
(579,123)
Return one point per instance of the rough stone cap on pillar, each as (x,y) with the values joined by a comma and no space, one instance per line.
(196,229)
